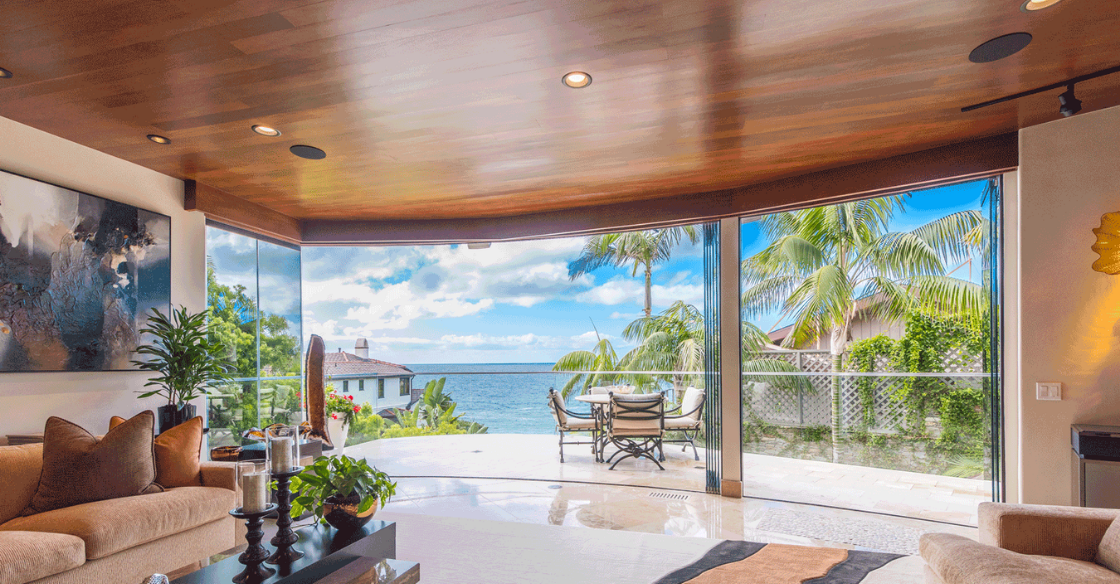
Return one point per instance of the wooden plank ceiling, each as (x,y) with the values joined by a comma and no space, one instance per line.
(433,109)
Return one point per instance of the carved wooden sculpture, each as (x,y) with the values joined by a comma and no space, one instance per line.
(316,398)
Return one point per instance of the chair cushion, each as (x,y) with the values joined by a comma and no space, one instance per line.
(681,424)
(579,424)
(556,405)
(959,560)
(78,468)
(110,526)
(624,427)
(178,453)
(1108,552)
(693,397)
(26,556)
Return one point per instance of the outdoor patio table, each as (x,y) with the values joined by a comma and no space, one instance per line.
(598,401)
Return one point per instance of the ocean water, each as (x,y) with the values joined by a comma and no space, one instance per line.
(500,395)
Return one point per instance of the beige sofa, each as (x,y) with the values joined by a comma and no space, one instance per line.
(114,541)
(1028,544)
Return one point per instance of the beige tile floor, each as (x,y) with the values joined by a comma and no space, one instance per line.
(492,517)
(918,496)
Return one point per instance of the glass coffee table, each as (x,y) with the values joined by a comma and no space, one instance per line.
(367,556)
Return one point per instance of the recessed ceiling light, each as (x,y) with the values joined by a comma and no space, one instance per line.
(266,130)
(5,74)
(159,139)
(1000,47)
(1032,5)
(308,152)
(577,79)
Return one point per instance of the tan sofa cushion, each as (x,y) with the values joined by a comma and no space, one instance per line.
(79,468)
(27,556)
(1108,552)
(19,476)
(959,560)
(110,526)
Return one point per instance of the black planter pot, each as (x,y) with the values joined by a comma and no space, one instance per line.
(171,416)
(342,512)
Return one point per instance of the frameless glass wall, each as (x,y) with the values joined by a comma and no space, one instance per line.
(254,295)
(871,340)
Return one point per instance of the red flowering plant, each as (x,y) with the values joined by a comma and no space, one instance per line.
(342,407)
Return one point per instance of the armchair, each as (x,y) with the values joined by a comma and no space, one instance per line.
(1039,544)
(569,421)
(689,420)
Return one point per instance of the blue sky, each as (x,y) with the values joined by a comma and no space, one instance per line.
(511,303)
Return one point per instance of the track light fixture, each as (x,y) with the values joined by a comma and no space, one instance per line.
(1070,104)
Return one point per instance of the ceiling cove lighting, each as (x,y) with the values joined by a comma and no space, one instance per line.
(1000,47)
(266,131)
(308,152)
(1032,5)
(159,139)
(577,79)
(5,74)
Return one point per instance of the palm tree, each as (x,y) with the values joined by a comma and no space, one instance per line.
(642,249)
(598,366)
(673,342)
(821,261)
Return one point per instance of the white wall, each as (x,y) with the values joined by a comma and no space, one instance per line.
(392,399)
(1069,175)
(88,399)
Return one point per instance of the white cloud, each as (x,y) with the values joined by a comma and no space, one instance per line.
(621,290)
(625,315)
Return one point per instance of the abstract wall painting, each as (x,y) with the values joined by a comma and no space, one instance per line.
(78,276)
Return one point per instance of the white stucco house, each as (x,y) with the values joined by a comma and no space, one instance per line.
(380,384)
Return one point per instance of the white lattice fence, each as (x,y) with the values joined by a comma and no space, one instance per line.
(801,401)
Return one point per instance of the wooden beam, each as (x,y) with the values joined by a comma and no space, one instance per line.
(226,208)
(919,170)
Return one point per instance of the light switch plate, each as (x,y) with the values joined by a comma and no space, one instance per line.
(1049,390)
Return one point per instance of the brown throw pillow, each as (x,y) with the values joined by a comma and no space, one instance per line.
(177,453)
(78,468)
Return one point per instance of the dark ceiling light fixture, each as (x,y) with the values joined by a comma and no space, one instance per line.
(308,152)
(5,74)
(1032,5)
(1070,104)
(159,139)
(1074,105)
(266,130)
(576,79)
(1000,47)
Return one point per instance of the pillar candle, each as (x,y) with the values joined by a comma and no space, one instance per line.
(281,453)
(254,491)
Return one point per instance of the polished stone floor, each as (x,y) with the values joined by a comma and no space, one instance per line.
(507,456)
(473,516)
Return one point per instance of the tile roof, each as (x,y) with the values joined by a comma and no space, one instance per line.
(342,363)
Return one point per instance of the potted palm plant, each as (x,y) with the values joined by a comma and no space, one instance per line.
(341,491)
(185,359)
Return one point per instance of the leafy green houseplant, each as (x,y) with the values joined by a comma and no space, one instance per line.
(341,491)
(185,360)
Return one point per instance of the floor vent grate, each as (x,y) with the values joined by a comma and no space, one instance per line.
(670,496)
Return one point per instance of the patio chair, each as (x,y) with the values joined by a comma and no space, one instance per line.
(635,425)
(688,420)
(569,421)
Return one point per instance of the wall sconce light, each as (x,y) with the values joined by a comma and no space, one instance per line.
(1108,244)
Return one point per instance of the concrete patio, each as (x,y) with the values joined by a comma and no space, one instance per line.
(534,457)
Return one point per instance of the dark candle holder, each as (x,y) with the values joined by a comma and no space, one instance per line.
(257,553)
(285,538)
